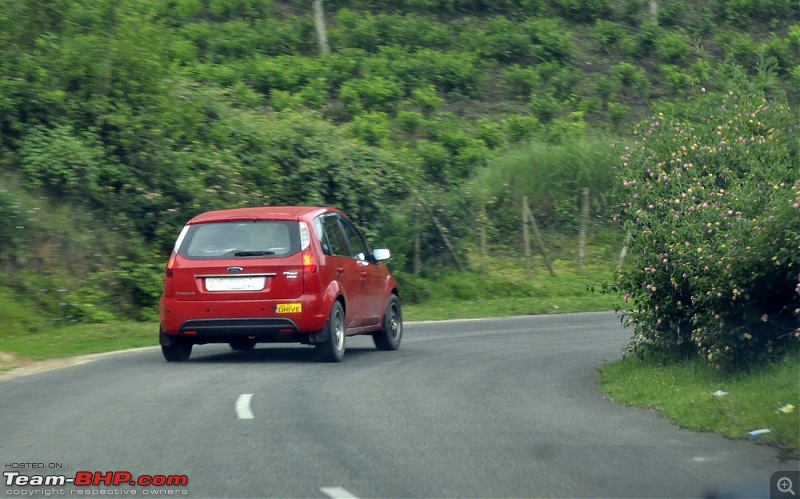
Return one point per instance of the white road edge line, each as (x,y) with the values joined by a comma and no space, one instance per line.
(243,406)
(337,493)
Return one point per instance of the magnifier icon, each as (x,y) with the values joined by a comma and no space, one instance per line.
(785,485)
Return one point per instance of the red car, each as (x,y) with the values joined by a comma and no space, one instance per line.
(273,275)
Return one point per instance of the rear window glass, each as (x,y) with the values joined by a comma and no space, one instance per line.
(241,240)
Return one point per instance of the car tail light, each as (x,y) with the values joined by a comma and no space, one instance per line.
(170,264)
(174,255)
(309,262)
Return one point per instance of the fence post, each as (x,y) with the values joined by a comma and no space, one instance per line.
(624,252)
(417,256)
(483,221)
(540,241)
(526,244)
(582,232)
(443,234)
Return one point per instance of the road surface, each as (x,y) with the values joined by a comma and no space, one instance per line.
(477,408)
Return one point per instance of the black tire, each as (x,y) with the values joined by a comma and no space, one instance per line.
(391,333)
(179,351)
(242,345)
(331,349)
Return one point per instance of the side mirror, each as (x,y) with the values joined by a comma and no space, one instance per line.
(381,254)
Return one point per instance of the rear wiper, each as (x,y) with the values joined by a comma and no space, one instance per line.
(254,253)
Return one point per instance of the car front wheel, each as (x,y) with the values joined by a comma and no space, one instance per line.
(331,348)
(390,335)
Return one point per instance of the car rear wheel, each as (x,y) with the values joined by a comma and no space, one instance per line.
(331,348)
(243,345)
(390,335)
(179,351)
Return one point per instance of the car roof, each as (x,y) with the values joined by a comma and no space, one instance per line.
(261,213)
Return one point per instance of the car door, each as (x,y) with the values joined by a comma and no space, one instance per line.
(371,276)
(347,270)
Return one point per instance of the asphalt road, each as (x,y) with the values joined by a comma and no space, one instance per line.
(480,408)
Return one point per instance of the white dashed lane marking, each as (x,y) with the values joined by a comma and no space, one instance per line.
(337,493)
(243,406)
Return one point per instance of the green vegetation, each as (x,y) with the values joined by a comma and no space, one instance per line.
(684,392)
(713,216)
(139,114)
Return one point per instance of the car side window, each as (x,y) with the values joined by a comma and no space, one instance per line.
(323,238)
(334,236)
(358,249)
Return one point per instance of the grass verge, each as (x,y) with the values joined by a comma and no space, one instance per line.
(475,295)
(684,393)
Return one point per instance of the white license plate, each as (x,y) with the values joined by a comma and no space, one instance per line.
(235,283)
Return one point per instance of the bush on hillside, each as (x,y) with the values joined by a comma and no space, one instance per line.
(713,214)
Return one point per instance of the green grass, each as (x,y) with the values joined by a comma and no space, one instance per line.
(59,341)
(683,392)
(474,295)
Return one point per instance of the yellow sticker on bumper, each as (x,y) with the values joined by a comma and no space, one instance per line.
(288,308)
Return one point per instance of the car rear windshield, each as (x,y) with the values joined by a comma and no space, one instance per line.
(264,239)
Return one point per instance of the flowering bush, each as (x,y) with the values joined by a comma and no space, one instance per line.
(713,212)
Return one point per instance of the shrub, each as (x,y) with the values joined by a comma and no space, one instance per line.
(373,93)
(281,100)
(583,10)
(743,13)
(632,78)
(503,41)
(13,226)
(784,54)
(617,112)
(490,133)
(61,160)
(453,73)
(519,82)
(427,98)
(519,128)
(648,37)
(674,77)
(409,121)
(545,106)
(713,214)
(673,48)
(413,289)
(608,34)
(739,48)
(553,40)
(414,31)
(355,30)
(372,127)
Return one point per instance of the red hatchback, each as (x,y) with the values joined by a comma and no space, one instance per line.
(276,274)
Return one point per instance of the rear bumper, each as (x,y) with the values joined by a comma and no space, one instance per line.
(226,330)
(222,321)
